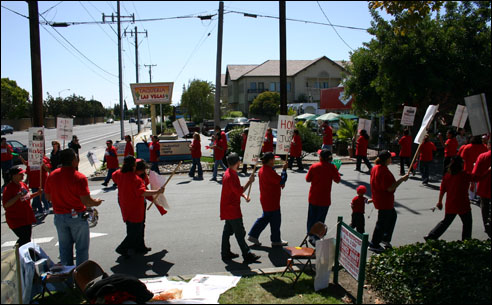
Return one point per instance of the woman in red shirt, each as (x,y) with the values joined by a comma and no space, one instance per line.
(6,158)
(128,147)
(426,155)
(196,154)
(481,173)
(220,148)
(383,186)
(296,151)
(17,204)
(361,151)
(455,183)
(450,148)
(268,142)
(405,151)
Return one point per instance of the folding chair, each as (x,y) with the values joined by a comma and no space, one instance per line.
(86,273)
(304,252)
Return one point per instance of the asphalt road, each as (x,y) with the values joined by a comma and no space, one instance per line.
(187,239)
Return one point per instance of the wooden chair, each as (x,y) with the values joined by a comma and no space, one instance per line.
(86,273)
(304,252)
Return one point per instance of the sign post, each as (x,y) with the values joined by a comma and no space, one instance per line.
(479,115)
(408,115)
(285,132)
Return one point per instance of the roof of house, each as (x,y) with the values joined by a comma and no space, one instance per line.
(223,80)
(236,71)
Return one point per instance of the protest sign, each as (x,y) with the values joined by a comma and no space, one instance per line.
(91,156)
(460,116)
(64,129)
(364,125)
(256,135)
(478,113)
(36,147)
(285,132)
(408,115)
(120,151)
(429,115)
(181,128)
(350,246)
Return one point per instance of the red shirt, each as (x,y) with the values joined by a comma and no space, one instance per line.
(296,146)
(481,172)
(358,204)
(426,151)
(129,149)
(7,153)
(111,158)
(220,150)
(456,186)
(33,175)
(451,147)
(362,144)
(154,148)
(196,149)
(321,175)
(130,190)
(66,186)
(381,180)
(20,213)
(270,189)
(405,146)
(470,155)
(268,143)
(244,139)
(230,198)
(328,136)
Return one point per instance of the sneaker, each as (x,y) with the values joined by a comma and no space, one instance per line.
(39,214)
(387,245)
(213,179)
(375,248)
(251,258)
(254,240)
(280,243)
(104,184)
(229,256)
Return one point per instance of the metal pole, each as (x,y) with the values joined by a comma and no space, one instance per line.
(219,65)
(120,73)
(136,69)
(283,59)
(37,86)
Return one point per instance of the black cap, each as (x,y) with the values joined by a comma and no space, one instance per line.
(16,170)
(267,157)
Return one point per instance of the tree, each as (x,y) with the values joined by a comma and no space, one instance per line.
(15,102)
(266,103)
(198,100)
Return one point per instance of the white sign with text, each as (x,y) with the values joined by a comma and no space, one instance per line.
(64,129)
(460,116)
(36,147)
(408,115)
(364,125)
(256,135)
(285,132)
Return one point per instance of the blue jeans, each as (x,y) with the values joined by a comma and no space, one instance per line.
(324,146)
(155,167)
(6,165)
(424,169)
(196,162)
(72,231)
(216,167)
(315,214)
(272,218)
(110,173)
(36,202)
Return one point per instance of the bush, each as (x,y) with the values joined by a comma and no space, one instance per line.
(434,272)
(311,141)
(234,144)
(235,114)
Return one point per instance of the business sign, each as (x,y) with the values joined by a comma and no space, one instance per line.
(460,116)
(285,132)
(364,125)
(181,128)
(36,147)
(350,249)
(175,148)
(64,129)
(429,115)
(152,93)
(478,113)
(256,135)
(408,115)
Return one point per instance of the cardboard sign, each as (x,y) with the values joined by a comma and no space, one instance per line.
(91,156)
(285,132)
(181,127)
(36,147)
(460,116)
(478,113)
(429,115)
(64,129)
(350,249)
(364,125)
(152,93)
(408,115)
(120,151)
(254,142)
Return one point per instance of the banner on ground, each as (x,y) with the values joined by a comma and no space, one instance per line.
(460,116)
(64,128)
(478,113)
(408,115)
(256,135)
(152,93)
(364,125)
(429,115)
(285,132)
(181,127)
(36,147)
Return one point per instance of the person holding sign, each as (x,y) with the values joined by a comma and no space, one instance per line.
(361,150)
(128,147)
(230,211)
(296,151)
(155,152)
(196,154)
(111,158)
(268,143)
(426,155)
(469,154)
(327,136)
(220,148)
(7,159)
(55,155)
(74,144)
(271,185)
(450,148)
(405,151)
(40,205)
(481,173)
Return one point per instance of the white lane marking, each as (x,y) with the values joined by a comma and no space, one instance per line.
(95,192)
(42,240)
(91,235)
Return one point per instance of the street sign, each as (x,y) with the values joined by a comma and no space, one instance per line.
(64,128)
(36,147)
(408,115)
(285,132)
(478,113)
(256,135)
(152,93)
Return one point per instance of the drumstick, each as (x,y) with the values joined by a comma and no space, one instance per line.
(169,179)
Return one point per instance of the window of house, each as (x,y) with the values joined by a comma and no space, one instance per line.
(278,86)
(288,86)
(261,86)
(252,85)
(272,87)
(325,85)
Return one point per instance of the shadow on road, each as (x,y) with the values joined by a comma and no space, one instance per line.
(277,255)
(236,268)
(354,186)
(138,265)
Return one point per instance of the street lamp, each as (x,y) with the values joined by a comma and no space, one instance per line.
(62,91)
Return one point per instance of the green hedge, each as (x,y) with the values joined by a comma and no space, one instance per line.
(434,272)
(311,141)
(235,138)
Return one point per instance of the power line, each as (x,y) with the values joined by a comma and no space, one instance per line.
(333,26)
(102,14)
(51,8)
(98,24)
(15,12)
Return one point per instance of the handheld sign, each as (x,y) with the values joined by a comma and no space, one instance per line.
(36,147)
(478,113)
(285,132)
(64,129)
(254,142)
(408,115)
(460,116)
(181,128)
(429,115)
(364,125)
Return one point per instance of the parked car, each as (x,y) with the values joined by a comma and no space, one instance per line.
(208,126)
(132,120)
(231,126)
(240,120)
(19,149)
(110,121)
(192,128)
(7,129)
(254,120)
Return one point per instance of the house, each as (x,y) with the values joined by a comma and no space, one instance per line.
(305,79)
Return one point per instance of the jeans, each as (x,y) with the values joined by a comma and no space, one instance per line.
(134,238)
(403,161)
(155,167)
(36,202)
(234,227)
(315,214)
(72,231)
(424,169)
(358,222)
(216,167)
(299,162)
(485,207)
(448,219)
(325,146)
(196,163)
(366,161)
(24,234)
(272,218)
(110,173)
(6,165)
(384,226)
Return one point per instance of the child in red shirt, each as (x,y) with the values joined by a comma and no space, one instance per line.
(426,157)
(358,209)
(405,151)
(196,154)
(230,211)
(450,148)
(40,204)
(268,142)
(296,151)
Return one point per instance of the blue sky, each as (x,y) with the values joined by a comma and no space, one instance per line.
(170,44)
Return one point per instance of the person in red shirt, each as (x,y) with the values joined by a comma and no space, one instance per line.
(481,173)
(296,151)
(131,198)
(40,205)
(155,152)
(230,211)
(270,189)
(111,158)
(7,157)
(321,176)
(268,142)
(405,151)
(450,148)
(361,150)
(426,155)
(327,136)
(68,191)
(469,154)
(16,201)
(244,139)
(455,184)
(358,208)
(219,151)
(196,154)
(128,147)
(141,171)
(383,186)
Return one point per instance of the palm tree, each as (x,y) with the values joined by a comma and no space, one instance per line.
(348,131)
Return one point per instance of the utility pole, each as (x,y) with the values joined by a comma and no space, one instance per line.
(37,85)
(152,106)
(283,59)
(136,69)
(219,65)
